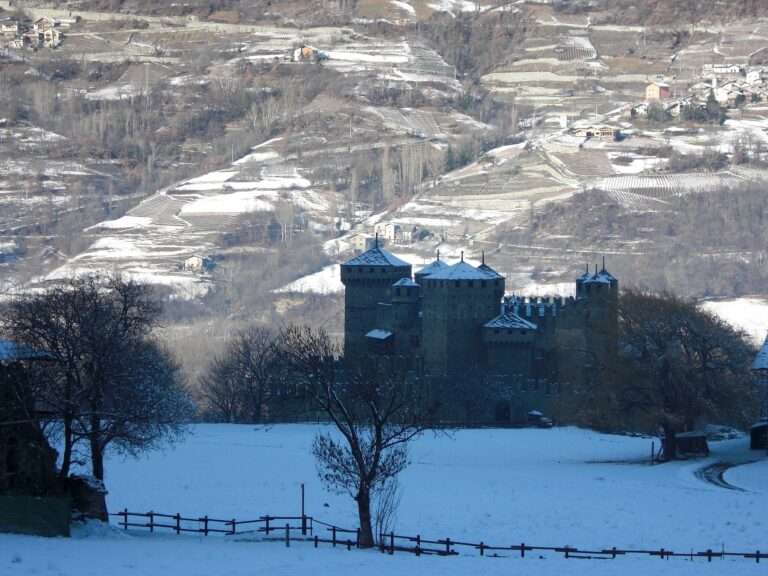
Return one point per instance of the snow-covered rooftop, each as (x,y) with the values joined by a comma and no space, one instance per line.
(462,271)
(761,360)
(510,320)
(378,334)
(432,267)
(376,256)
(405,282)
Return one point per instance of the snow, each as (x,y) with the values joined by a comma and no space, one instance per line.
(349,56)
(326,281)
(404,6)
(748,314)
(123,222)
(234,203)
(545,487)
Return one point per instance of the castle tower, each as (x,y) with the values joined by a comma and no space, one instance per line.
(368,280)
(457,301)
(600,293)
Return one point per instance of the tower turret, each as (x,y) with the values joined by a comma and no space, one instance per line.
(457,301)
(368,280)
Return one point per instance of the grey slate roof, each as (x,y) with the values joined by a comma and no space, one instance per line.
(376,256)
(510,320)
(432,267)
(462,271)
(484,267)
(405,282)
(602,277)
(378,334)
(761,360)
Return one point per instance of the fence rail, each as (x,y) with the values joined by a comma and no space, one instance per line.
(286,528)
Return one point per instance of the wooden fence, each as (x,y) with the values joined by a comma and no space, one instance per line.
(309,529)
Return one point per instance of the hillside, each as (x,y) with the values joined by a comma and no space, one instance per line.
(154,139)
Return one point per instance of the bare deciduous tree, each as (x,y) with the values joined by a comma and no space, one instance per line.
(375,409)
(109,381)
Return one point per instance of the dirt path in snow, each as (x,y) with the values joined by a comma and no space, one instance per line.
(715,474)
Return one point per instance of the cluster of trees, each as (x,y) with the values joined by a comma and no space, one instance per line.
(103,379)
(677,366)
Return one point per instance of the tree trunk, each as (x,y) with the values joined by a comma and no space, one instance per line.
(97,452)
(669,444)
(66,458)
(364,512)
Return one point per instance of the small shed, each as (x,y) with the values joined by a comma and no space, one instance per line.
(692,443)
(759,432)
(758,435)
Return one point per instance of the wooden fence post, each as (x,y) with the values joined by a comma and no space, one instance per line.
(234,526)
(349,544)
(151,521)
(522,550)
(392,542)
(333,532)
(418,544)
(709,555)
(316,540)
(205,525)
(757,557)
(287,535)
(482,549)
(178,523)
(661,553)
(266,527)
(357,538)
(125,519)
(447,546)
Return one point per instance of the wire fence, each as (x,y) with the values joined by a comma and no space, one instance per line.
(309,529)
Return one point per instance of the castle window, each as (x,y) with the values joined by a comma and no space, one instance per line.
(482,283)
(458,283)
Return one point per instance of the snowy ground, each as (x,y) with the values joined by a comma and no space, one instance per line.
(545,487)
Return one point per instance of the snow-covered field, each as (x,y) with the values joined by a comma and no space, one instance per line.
(748,314)
(544,487)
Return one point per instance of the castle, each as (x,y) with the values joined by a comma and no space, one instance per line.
(502,357)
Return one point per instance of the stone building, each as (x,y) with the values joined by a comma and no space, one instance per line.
(459,333)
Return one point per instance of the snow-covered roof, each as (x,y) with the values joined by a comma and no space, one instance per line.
(378,334)
(761,360)
(432,267)
(602,277)
(511,320)
(376,256)
(484,267)
(406,282)
(462,271)
(10,351)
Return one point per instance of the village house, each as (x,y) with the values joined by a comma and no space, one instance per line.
(598,131)
(364,242)
(657,91)
(9,28)
(722,70)
(395,233)
(756,75)
(199,264)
